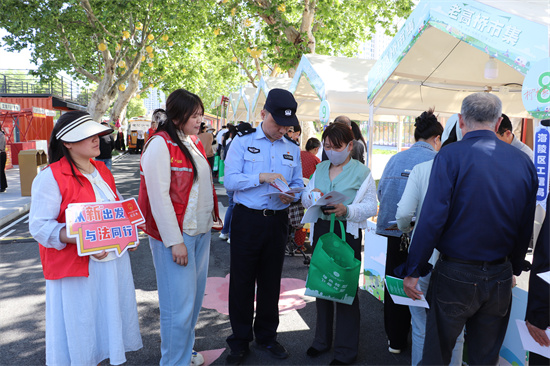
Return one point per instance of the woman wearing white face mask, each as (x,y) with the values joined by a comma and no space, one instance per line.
(348,176)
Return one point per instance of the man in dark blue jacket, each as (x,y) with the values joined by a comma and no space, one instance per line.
(478,212)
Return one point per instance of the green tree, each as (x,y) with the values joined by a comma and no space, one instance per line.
(270,36)
(114,44)
(135,108)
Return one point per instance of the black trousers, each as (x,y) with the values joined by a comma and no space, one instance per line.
(536,360)
(120,144)
(348,321)
(211,162)
(257,256)
(3,180)
(397,318)
(139,145)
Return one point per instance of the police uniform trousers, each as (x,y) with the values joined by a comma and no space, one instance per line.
(397,318)
(347,322)
(258,241)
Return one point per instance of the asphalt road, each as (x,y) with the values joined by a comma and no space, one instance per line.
(22,287)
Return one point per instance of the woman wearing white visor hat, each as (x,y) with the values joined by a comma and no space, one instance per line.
(91,311)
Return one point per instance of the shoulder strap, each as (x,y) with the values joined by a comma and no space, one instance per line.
(342,230)
(246,132)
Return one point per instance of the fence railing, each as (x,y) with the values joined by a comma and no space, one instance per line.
(59,86)
(386,133)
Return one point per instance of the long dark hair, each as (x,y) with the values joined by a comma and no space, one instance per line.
(231,132)
(357,132)
(180,106)
(57,149)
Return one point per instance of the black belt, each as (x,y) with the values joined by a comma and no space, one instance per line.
(446,258)
(265,211)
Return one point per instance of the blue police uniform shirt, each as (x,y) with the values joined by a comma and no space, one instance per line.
(252,154)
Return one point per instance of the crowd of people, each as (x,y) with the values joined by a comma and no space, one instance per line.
(468,188)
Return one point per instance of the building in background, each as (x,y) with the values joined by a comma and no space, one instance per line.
(155,99)
(373,49)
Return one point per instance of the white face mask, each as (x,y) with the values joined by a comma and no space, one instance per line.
(338,157)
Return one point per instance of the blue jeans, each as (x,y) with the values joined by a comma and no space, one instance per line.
(478,296)
(108,162)
(418,322)
(181,291)
(228,214)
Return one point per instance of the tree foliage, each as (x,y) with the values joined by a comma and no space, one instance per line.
(209,47)
(270,36)
(123,46)
(135,108)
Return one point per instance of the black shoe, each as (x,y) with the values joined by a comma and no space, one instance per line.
(314,352)
(275,348)
(236,357)
(337,362)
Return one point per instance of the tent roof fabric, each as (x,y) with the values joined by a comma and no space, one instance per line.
(240,104)
(342,81)
(442,63)
(264,86)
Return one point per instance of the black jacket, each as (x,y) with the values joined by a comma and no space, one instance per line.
(106,146)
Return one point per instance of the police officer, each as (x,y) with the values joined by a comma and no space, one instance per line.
(259,227)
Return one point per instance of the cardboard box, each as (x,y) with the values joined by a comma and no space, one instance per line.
(30,164)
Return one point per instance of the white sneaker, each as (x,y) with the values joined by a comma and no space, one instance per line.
(224,236)
(394,350)
(229,241)
(196,359)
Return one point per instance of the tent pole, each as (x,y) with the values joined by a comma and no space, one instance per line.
(371,136)
(399,134)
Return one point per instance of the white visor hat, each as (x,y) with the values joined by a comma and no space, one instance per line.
(82,128)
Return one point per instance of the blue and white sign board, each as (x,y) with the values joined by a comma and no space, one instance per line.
(541,160)
(535,92)
(506,37)
(324,111)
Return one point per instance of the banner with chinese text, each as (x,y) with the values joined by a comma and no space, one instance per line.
(509,38)
(542,153)
(99,226)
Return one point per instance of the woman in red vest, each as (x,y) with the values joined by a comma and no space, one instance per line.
(91,311)
(178,200)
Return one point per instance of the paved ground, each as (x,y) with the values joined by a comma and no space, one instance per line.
(22,302)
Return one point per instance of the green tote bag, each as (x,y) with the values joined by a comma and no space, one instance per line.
(334,271)
(221,171)
(216,163)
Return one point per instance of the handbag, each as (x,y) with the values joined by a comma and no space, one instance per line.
(216,163)
(334,271)
(217,223)
(221,171)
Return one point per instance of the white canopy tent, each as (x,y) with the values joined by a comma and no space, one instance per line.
(232,105)
(441,53)
(264,86)
(240,104)
(341,81)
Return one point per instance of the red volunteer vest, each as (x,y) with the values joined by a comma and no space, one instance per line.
(181,182)
(66,262)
